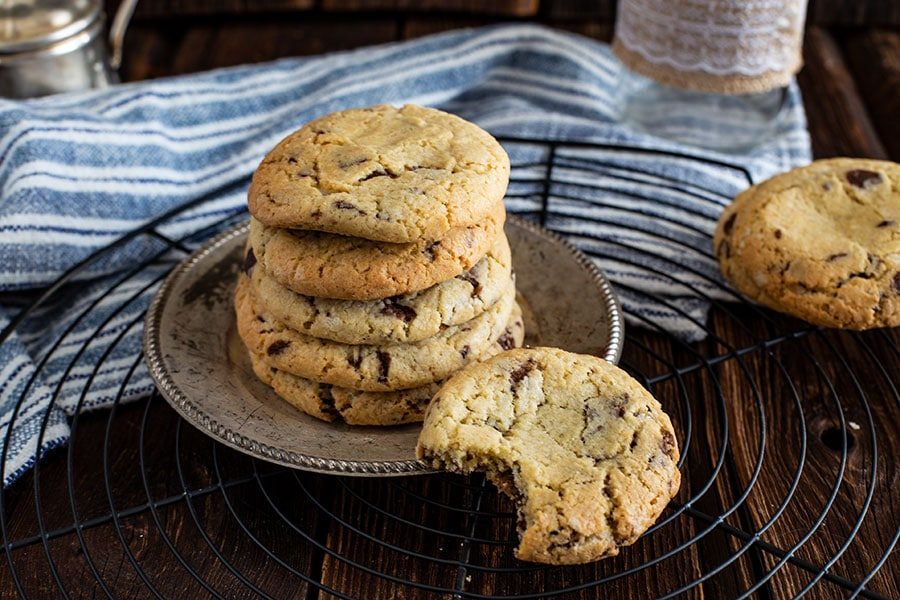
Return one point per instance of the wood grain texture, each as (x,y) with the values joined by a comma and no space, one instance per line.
(838,121)
(170,8)
(874,59)
(151,52)
(820,12)
(510,8)
(854,12)
(579,10)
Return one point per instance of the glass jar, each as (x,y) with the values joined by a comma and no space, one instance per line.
(709,73)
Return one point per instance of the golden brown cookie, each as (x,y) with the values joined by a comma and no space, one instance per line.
(821,242)
(369,368)
(382,173)
(399,319)
(588,454)
(330,403)
(326,265)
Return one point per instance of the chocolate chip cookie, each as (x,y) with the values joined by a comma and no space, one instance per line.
(399,319)
(368,368)
(821,242)
(382,173)
(588,454)
(330,403)
(326,265)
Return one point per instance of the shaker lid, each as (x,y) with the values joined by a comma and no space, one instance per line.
(30,24)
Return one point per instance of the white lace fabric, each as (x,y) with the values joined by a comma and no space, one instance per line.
(726,38)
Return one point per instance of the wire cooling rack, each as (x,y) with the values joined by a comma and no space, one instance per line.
(788,436)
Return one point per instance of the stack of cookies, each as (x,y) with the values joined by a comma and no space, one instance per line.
(377,265)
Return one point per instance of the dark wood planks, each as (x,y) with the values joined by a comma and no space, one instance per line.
(579,10)
(510,8)
(873,56)
(796,386)
(167,8)
(201,533)
(820,12)
(153,52)
(838,121)
(854,12)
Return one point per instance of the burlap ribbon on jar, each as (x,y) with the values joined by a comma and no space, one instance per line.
(720,46)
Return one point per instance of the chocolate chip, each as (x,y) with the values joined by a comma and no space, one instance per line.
(382,216)
(327,400)
(249,261)
(562,545)
(729,224)
(862,178)
(292,160)
(667,444)
(896,282)
(277,347)
(384,365)
(618,404)
(473,281)
(344,205)
(379,173)
(834,257)
(315,214)
(260,319)
(886,223)
(777,234)
(393,308)
(520,373)
(869,273)
(430,250)
(354,360)
(506,340)
(351,162)
(826,186)
(634,440)
(464,352)
(592,423)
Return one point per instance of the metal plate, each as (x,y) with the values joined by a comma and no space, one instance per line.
(200,367)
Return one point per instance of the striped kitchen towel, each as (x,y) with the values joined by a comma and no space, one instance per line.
(79,171)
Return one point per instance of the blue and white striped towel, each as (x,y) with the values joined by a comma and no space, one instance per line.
(79,171)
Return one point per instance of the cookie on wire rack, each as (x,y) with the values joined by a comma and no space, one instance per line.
(821,242)
(588,455)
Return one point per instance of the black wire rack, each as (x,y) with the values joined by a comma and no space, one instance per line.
(788,435)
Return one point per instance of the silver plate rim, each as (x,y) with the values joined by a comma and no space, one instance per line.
(196,416)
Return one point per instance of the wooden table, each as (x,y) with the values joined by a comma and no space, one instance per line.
(141,502)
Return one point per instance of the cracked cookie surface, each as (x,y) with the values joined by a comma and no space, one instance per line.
(821,242)
(399,319)
(588,454)
(354,407)
(326,265)
(381,173)
(367,367)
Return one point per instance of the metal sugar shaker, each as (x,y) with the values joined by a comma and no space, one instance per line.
(51,46)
